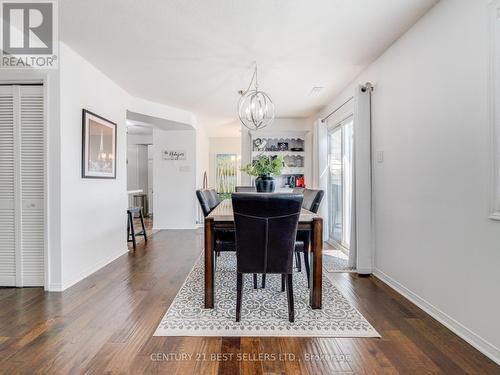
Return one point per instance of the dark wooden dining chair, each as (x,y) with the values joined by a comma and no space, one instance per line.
(312,201)
(224,240)
(266,227)
(246,189)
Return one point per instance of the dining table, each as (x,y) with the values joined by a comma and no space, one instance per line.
(221,218)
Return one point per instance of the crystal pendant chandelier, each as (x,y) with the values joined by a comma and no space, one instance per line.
(255,108)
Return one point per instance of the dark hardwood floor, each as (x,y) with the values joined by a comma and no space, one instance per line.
(105,323)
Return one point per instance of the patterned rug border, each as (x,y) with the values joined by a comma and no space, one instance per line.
(241,333)
(330,268)
(163,332)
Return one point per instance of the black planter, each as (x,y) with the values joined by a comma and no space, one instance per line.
(264,184)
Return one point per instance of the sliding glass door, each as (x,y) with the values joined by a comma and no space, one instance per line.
(340,162)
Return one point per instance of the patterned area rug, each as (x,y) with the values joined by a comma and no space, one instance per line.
(335,261)
(264,311)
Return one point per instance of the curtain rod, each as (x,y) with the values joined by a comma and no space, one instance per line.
(337,109)
(366,86)
(22,84)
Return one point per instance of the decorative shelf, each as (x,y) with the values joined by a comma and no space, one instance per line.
(283,153)
(293,170)
(282,142)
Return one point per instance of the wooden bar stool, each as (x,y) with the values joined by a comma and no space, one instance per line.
(131,234)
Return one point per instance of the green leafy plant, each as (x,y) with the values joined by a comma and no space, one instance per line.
(264,165)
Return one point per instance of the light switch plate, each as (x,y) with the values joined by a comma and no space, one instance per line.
(380,156)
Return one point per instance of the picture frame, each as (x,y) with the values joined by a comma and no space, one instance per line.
(282,146)
(98,146)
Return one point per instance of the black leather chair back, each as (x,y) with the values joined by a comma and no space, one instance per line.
(266,227)
(206,200)
(312,199)
(245,189)
(214,197)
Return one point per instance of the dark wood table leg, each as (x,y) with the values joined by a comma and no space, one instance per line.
(316,257)
(209,263)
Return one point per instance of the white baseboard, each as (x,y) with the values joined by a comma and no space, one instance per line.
(90,270)
(485,347)
(364,271)
(55,288)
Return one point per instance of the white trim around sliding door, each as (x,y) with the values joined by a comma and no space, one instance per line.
(330,129)
(494,97)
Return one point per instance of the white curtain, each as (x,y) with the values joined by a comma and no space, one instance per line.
(353,252)
(361,244)
(320,169)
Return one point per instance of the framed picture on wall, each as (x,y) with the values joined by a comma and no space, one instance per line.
(98,146)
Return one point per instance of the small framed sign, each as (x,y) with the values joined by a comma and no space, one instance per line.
(174,155)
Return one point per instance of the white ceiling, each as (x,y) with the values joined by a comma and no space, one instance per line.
(196,54)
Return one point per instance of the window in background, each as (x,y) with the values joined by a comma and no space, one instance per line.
(226,172)
(340,157)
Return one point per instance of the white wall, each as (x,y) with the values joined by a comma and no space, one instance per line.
(434,242)
(140,139)
(137,162)
(137,170)
(93,211)
(161,111)
(221,145)
(202,151)
(132,167)
(86,217)
(174,182)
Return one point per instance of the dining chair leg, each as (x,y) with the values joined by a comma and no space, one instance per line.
(255,281)
(128,227)
(143,226)
(263,280)
(239,288)
(306,265)
(132,231)
(297,262)
(283,277)
(289,289)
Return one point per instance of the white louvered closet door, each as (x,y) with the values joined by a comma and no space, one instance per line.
(32,170)
(23,189)
(7,197)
